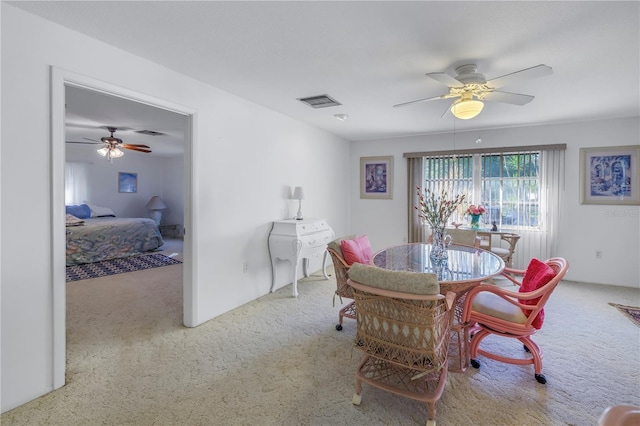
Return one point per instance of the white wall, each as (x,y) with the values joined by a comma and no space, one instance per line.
(614,230)
(245,160)
(172,170)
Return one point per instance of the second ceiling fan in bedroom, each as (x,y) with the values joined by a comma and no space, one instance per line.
(472,88)
(111,145)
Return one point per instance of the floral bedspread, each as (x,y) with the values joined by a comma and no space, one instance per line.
(110,238)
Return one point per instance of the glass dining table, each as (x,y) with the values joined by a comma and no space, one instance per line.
(465,268)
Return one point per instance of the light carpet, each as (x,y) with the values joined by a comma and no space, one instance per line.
(279,361)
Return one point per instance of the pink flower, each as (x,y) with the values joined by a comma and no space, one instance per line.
(475,210)
(436,208)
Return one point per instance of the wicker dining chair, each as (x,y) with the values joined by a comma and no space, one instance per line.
(498,311)
(506,253)
(341,269)
(465,237)
(403,329)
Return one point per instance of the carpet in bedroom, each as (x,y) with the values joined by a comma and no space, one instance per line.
(118,266)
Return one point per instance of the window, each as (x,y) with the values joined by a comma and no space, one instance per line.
(453,173)
(507,185)
(75,182)
(510,189)
(520,188)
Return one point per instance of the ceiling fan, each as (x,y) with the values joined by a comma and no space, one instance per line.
(111,145)
(471,88)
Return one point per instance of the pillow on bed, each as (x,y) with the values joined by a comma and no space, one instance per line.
(81,211)
(99,211)
(74,221)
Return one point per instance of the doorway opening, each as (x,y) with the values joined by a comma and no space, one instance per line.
(61,80)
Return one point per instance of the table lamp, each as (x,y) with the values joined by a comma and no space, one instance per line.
(155,207)
(298,194)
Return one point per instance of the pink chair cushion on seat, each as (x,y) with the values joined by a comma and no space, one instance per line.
(537,275)
(357,250)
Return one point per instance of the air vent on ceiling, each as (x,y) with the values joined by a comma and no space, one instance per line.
(150,132)
(320,101)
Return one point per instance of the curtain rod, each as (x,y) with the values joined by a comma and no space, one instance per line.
(554,147)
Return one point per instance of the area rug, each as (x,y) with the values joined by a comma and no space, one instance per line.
(631,312)
(118,266)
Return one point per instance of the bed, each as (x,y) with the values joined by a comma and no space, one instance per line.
(94,239)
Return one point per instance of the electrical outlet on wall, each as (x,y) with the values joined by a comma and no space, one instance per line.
(598,254)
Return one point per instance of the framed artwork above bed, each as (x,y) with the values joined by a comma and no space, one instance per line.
(127,182)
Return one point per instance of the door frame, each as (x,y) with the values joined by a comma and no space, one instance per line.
(59,80)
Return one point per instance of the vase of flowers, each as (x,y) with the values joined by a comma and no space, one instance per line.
(475,212)
(435,209)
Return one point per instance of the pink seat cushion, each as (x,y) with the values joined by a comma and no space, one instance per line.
(537,275)
(357,250)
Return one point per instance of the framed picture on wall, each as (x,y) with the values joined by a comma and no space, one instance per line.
(376,177)
(609,175)
(127,182)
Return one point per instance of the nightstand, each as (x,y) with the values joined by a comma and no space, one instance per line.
(169,231)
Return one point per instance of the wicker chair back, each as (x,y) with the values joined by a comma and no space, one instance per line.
(405,335)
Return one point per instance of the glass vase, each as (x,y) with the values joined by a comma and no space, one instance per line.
(475,221)
(439,244)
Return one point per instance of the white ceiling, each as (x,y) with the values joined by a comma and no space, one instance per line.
(372,55)
(89,113)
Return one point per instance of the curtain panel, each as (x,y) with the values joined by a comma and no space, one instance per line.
(75,182)
(415,168)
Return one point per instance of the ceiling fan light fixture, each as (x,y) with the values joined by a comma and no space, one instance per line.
(116,153)
(466,109)
(103,151)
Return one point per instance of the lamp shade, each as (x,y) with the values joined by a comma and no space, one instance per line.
(116,153)
(466,109)
(156,203)
(298,193)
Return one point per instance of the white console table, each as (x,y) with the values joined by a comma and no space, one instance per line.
(294,240)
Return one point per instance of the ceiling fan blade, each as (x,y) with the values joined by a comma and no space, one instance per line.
(445,79)
(446,110)
(84,143)
(136,145)
(135,148)
(422,100)
(92,140)
(518,76)
(508,98)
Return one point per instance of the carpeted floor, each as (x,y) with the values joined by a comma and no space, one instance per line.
(118,266)
(631,312)
(279,361)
